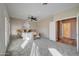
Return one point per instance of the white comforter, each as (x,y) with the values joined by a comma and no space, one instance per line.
(26,37)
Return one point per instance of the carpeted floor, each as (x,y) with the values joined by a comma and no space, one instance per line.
(43,45)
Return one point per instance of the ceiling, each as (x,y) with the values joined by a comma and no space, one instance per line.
(23,10)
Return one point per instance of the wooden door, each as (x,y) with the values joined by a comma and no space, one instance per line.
(58,26)
(66,31)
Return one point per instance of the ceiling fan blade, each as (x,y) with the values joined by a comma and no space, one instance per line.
(32,18)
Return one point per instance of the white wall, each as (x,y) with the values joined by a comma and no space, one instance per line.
(3,37)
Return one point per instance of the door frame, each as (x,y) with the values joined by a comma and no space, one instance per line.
(77,32)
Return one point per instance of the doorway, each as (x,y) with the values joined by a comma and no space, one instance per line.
(66,31)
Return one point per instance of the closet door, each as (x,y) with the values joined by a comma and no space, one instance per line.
(77,33)
(52,30)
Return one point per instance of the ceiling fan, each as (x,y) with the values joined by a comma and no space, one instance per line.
(32,18)
(44,3)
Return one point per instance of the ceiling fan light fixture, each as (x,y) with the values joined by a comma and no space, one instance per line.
(32,18)
(44,3)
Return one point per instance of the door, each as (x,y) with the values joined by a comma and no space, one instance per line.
(67,30)
(58,30)
(77,33)
(52,30)
(7,31)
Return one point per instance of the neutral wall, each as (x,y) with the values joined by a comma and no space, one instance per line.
(15,24)
(44,27)
(18,23)
(3,14)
